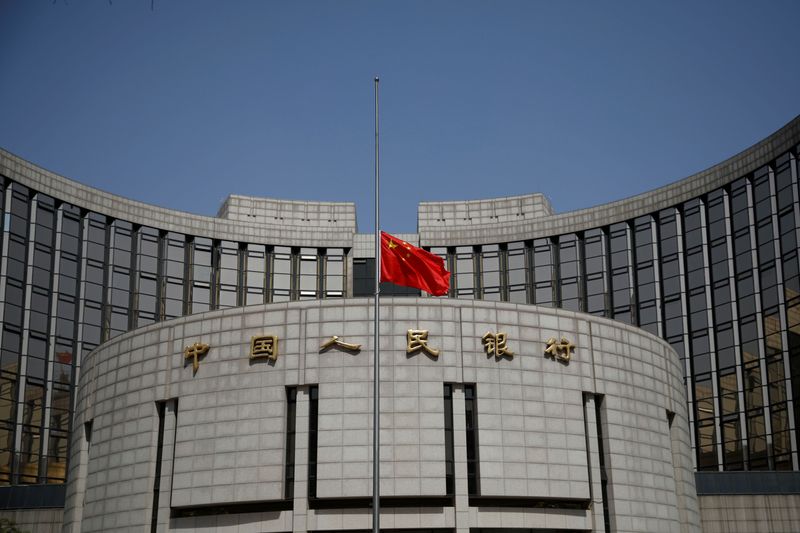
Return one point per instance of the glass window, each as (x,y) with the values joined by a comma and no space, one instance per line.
(309,275)
(17,218)
(621,289)
(201,275)
(281,274)
(334,273)
(146,297)
(645,270)
(732,444)
(255,271)
(594,246)
(31,432)
(449,448)
(464,272)
(228,274)
(94,272)
(363,277)
(543,273)
(291,415)
(174,258)
(121,240)
(729,391)
(517,272)
(491,285)
(473,458)
(569,272)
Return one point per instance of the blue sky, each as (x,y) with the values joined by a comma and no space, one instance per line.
(586,102)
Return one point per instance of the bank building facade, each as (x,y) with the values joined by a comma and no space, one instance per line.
(627,367)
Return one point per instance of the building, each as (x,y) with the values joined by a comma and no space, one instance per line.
(472,439)
(709,264)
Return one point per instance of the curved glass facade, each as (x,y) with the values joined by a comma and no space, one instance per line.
(716,275)
(71,279)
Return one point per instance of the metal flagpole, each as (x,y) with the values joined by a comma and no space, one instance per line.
(376,381)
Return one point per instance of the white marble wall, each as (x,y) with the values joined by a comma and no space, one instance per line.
(229,432)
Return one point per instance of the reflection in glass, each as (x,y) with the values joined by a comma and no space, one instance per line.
(201,273)
(464,272)
(281,274)
(255,257)
(334,273)
(517,273)
(543,273)
(173,269)
(309,275)
(227,274)
(491,284)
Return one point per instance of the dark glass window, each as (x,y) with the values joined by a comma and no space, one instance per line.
(706,448)
(517,272)
(449,449)
(17,217)
(364,281)
(255,274)
(202,275)
(173,270)
(761,194)
(621,289)
(281,274)
(228,274)
(59,425)
(569,272)
(757,440)
(16,236)
(728,391)
(313,424)
(309,274)
(94,273)
(491,284)
(334,273)
(291,415)
(543,275)
(146,297)
(595,264)
(473,459)
(464,272)
(645,272)
(363,277)
(120,256)
(32,420)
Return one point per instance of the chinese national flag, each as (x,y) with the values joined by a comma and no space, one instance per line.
(409,266)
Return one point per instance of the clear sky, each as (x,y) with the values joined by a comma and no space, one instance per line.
(586,102)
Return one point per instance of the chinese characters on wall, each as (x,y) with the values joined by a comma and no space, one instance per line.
(264,347)
(494,344)
(559,350)
(195,352)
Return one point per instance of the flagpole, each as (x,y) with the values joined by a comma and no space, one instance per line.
(376,381)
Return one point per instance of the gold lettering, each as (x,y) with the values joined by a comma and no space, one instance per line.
(561,351)
(336,341)
(265,346)
(418,340)
(495,344)
(194,352)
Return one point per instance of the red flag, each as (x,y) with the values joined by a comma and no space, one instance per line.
(409,266)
